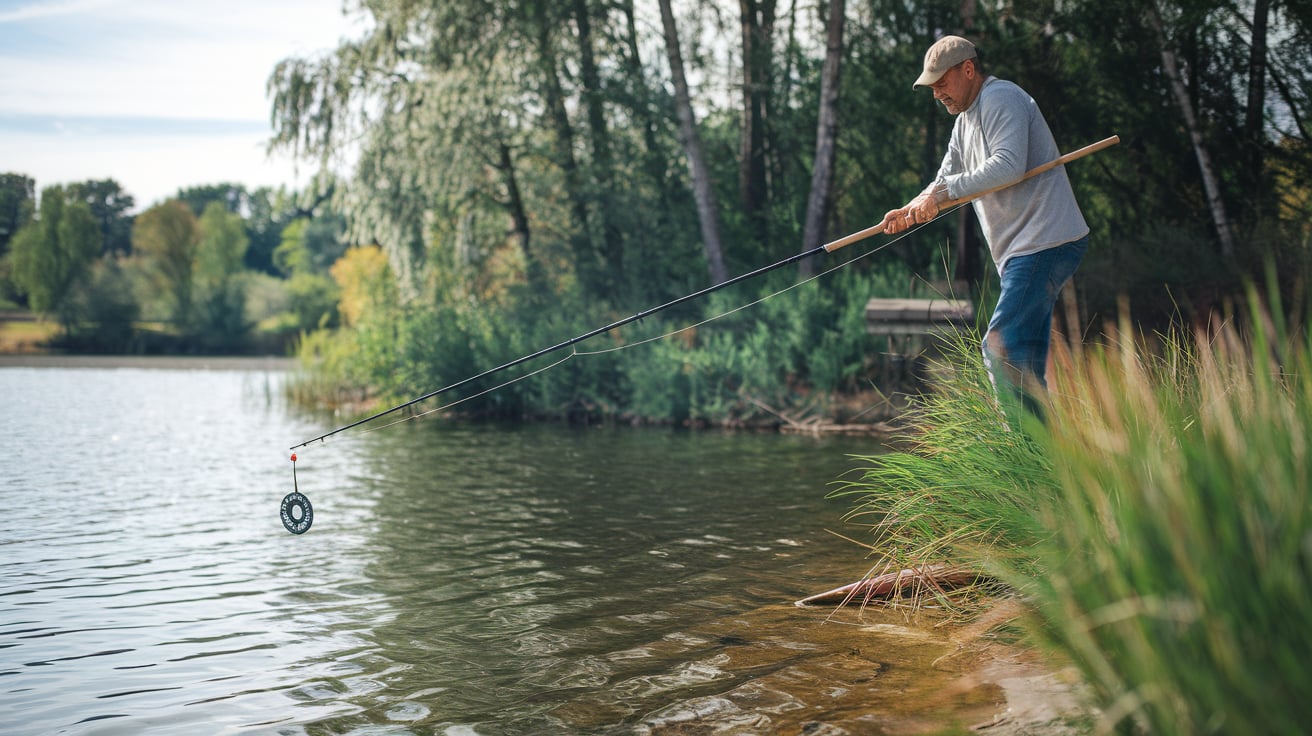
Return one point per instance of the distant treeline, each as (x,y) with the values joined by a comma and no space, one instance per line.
(216,269)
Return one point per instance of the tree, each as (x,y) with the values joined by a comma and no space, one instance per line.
(110,205)
(165,237)
(707,207)
(433,96)
(52,251)
(311,245)
(1255,114)
(220,290)
(17,199)
(822,168)
(102,306)
(269,211)
(1211,182)
(757,19)
(232,196)
(308,251)
(612,237)
(362,274)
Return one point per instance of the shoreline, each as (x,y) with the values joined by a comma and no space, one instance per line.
(162,362)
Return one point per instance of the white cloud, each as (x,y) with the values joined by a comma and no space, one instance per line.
(36,10)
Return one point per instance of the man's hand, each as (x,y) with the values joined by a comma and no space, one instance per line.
(918,211)
(895,221)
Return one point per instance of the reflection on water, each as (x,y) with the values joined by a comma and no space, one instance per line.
(457,579)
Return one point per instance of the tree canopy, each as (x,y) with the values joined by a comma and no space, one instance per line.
(542,138)
(54,250)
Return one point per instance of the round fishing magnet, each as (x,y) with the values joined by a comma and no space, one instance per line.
(297,513)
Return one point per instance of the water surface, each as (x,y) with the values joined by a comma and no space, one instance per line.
(457,579)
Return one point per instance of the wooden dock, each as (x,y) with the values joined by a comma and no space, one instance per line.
(917,316)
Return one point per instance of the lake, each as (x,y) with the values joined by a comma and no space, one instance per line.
(457,579)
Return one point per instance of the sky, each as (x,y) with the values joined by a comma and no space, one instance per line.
(155,94)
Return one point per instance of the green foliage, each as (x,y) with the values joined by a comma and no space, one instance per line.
(231,196)
(220,318)
(500,167)
(102,309)
(312,301)
(166,236)
(221,249)
(17,201)
(52,251)
(1155,526)
(110,206)
(310,245)
(786,352)
(190,272)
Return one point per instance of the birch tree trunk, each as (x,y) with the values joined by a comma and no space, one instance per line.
(822,169)
(1255,117)
(707,213)
(1211,185)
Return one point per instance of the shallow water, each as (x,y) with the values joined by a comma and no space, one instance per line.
(457,579)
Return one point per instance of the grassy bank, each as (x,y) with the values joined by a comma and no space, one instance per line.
(22,333)
(1157,528)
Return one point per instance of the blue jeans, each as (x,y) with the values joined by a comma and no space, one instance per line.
(1016,344)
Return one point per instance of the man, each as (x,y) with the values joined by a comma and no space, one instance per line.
(1035,230)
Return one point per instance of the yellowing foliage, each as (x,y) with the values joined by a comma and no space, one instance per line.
(365,279)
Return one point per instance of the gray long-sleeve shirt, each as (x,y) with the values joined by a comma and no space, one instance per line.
(995,141)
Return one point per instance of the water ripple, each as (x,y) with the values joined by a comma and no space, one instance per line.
(457,579)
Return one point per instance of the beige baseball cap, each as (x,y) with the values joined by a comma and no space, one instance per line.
(946,53)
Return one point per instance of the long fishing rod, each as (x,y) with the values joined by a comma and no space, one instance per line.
(826,248)
(296,499)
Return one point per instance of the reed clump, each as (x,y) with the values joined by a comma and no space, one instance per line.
(1157,527)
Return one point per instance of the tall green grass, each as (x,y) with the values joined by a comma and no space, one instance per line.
(963,491)
(1158,526)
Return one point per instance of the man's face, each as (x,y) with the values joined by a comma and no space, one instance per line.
(956,89)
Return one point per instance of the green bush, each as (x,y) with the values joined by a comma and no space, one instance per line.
(788,351)
(101,309)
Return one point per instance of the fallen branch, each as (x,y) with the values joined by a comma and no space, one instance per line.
(939,577)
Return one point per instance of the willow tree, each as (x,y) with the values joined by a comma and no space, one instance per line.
(428,103)
(463,116)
